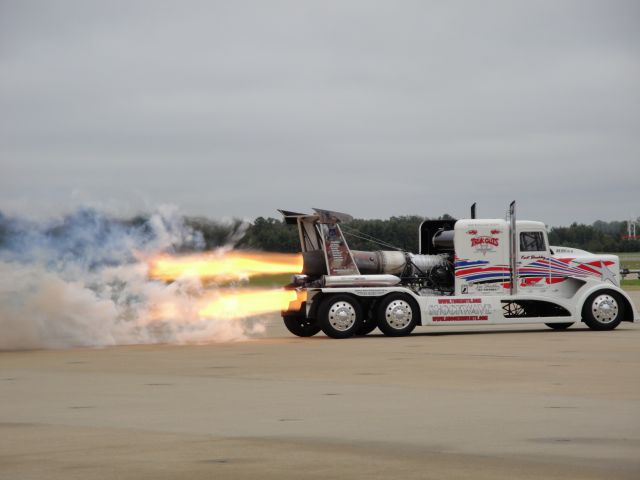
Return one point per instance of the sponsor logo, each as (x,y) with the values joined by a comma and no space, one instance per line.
(563,250)
(460,309)
(532,282)
(485,241)
(486,287)
(447,301)
(461,318)
(370,292)
(485,244)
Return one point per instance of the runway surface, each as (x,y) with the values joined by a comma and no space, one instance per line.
(491,402)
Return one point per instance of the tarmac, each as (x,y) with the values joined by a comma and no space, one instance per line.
(444,403)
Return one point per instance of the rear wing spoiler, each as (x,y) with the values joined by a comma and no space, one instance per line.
(321,215)
(320,232)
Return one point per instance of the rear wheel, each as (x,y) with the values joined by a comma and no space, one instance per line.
(300,325)
(367,326)
(398,315)
(559,326)
(340,316)
(603,310)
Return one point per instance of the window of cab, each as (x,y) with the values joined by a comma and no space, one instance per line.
(532,242)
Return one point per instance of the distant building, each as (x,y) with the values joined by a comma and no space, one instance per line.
(632,227)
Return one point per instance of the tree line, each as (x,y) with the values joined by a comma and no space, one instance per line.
(597,237)
(401,232)
(87,229)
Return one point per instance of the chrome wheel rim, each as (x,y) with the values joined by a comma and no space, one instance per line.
(342,316)
(604,308)
(398,314)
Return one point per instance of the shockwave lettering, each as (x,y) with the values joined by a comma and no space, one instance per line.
(474,309)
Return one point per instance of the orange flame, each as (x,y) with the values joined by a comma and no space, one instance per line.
(248,303)
(234,265)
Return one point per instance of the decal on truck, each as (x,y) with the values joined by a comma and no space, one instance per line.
(555,270)
(460,310)
(338,256)
(481,271)
(459,307)
(370,292)
(485,244)
(460,318)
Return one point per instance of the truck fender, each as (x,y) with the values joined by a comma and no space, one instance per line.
(631,312)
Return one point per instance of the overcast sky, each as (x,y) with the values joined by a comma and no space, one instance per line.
(374,108)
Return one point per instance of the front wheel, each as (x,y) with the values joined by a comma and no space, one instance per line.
(398,314)
(602,310)
(340,316)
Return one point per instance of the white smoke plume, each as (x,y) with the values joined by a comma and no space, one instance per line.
(81,280)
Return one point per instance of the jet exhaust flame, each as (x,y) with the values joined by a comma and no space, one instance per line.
(248,303)
(223,266)
(227,304)
(88,279)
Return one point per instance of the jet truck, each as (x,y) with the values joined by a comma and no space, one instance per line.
(467,272)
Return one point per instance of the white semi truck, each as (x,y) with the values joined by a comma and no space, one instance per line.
(468,272)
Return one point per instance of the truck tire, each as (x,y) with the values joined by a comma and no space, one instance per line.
(603,310)
(559,326)
(300,325)
(340,316)
(366,327)
(398,314)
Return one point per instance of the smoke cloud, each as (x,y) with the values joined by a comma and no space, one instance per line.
(82,280)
